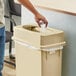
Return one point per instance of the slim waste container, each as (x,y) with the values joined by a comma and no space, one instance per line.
(38,53)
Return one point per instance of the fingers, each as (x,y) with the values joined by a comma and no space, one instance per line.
(39,22)
(45,22)
(42,21)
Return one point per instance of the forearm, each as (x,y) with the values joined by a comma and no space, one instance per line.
(29,6)
(38,16)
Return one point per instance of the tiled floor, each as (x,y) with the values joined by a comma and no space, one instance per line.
(9,70)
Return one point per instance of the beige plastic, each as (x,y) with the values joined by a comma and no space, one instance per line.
(30,62)
(31,35)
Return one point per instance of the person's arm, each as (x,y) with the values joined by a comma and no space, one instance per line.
(38,16)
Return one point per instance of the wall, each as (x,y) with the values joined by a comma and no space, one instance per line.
(65,22)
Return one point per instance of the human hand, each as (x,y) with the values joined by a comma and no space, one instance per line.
(41,20)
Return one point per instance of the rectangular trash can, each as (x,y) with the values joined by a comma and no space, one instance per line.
(38,53)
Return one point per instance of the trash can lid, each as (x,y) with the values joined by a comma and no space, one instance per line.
(31,35)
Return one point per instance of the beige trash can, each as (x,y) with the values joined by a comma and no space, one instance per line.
(38,53)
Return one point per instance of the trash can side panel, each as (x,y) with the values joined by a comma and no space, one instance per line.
(28,61)
(51,63)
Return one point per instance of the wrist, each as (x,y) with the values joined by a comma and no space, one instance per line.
(36,13)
